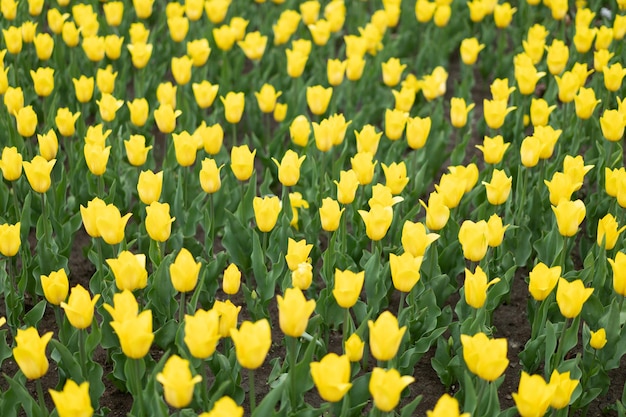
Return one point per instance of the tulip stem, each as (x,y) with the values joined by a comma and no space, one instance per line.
(42,403)
(136,385)
(251,393)
(82,352)
(345,406)
(564,253)
(100,186)
(205,384)
(346,321)
(559,350)
(181,308)
(212,227)
(292,345)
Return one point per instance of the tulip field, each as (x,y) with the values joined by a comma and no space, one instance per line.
(312,208)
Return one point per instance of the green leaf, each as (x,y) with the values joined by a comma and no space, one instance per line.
(35,314)
(267,406)
(66,360)
(408,409)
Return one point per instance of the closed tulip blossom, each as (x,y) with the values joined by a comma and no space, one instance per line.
(499,188)
(43,81)
(493,149)
(289,168)
(79,307)
(612,125)
(618,265)
(158,221)
(447,406)
(266,211)
(405,271)
(266,98)
(437,212)
(395,123)
(459,111)
(165,118)
(38,173)
(242,162)
(542,280)
(484,357)
(234,104)
(597,340)
(10,239)
(608,232)
(476,286)
(392,72)
(73,401)
(136,150)
(129,270)
(540,112)
(26,119)
(30,352)
(346,186)
(231,280)
(178,383)
(495,111)
(570,297)
(564,387)
(210,180)
(297,252)
(252,343)
(135,334)
(533,395)
(331,376)
(415,240)
(11,163)
(348,287)
(205,93)
(184,271)
(225,406)
(300,130)
(585,102)
(385,336)
(111,224)
(125,306)
(470,48)
(149,186)
(613,76)
(474,239)
(253,45)
(294,311)
(185,147)
(55,286)
(318,98)
(569,215)
(330,214)
(377,221)
(386,387)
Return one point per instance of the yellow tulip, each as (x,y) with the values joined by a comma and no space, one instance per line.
(297,252)
(331,376)
(84,88)
(252,343)
(129,271)
(493,149)
(294,311)
(242,162)
(202,333)
(79,307)
(476,286)
(232,280)
(569,215)
(185,147)
(165,118)
(73,401)
(210,180)
(96,157)
(178,384)
(485,357)
(234,104)
(392,72)
(11,163)
(184,271)
(111,224)
(318,98)
(570,297)
(30,352)
(474,239)
(533,395)
(55,286)
(437,213)
(447,406)
(205,93)
(386,387)
(26,119)
(385,336)
(253,45)
(597,339)
(38,173)
(470,48)
(225,406)
(135,334)
(125,306)
(618,266)
(563,389)
(348,286)
(289,168)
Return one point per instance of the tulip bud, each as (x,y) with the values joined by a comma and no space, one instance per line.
(30,352)
(79,307)
(318,98)
(252,343)
(386,387)
(204,93)
(38,173)
(26,119)
(55,286)
(266,211)
(232,280)
(331,376)
(129,271)
(11,163)
(234,104)
(202,333)
(385,336)
(598,339)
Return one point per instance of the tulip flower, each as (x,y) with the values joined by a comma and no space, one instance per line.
(354,67)
(73,401)
(96,157)
(533,395)
(569,216)
(185,147)
(38,173)
(540,112)
(377,221)
(165,118)
(476,286)
(300,130)
(335,71)
(563,389)
(289,168)
(459,111)
(495,111)
(114,12)
(392,72)
(140,53)
(447,406)
(229,314)
(204,93)
(26,119)
(330,214)
(320,32)
(348,286)
(202,333)
(135,334)
(30,352)
(570,297)
(474,239)
(318,98)
(415,240)
(110,223)
(597,339)
(242,162)
(178,384)
(385,336)
(253,45)
(542,280)
(493,149)
(210,180)
(346,186)
(158,221)
(79,307)
(225,406)
(184,271)
(136,150)
(43,81)
(65,121)
(266,211)
(608,232)
(234,104)
(10,239)
(129,271)
(55,286)
(363,165)
(125,306)
(395,123)
(149,186)
(212,137)
(198,50)
(331,376)
(619,273)
(139,110)
(405,271)
(232,280)
(613,76)
(558,54)
(252,343)
(470,48)
(266,98)
(437,213)
(294,311)
(297,252)
(84,88)
(612,125)
(386,387)
(354,348)
(11,163)
(13,99)
(485,357)
(561,187)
